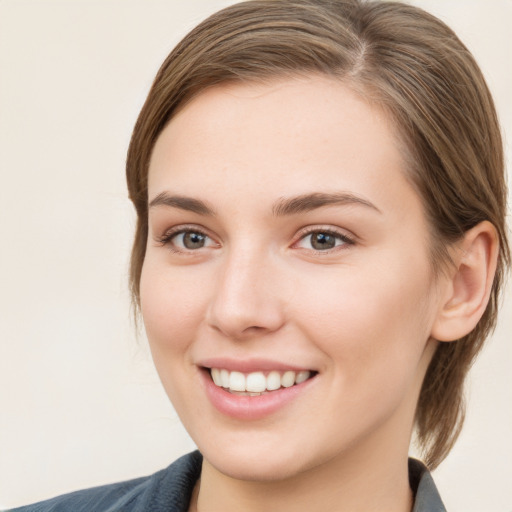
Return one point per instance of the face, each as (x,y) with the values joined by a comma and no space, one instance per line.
(286,289)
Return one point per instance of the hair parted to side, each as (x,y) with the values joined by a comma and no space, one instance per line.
(414,67)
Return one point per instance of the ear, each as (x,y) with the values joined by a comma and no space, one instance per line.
(466,291)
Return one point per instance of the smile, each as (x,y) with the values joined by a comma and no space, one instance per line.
(256,383)
(253,390)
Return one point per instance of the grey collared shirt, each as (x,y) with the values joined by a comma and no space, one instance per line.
(170,490)
(426,497)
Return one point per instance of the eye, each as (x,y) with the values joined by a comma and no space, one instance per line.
(187,240)
(323,240)
(190,240)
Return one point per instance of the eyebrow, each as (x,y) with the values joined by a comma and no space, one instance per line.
(308,202)
(188,204)
(281,208)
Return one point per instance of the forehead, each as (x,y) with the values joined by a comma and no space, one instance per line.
(296,134)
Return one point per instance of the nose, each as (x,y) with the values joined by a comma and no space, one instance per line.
(247,300)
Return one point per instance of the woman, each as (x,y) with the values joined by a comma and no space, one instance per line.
(319,251)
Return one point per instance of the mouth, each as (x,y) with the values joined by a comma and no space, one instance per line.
(257,383)
(252,390)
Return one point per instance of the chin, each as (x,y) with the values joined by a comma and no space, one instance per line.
(258,461)
(255,469)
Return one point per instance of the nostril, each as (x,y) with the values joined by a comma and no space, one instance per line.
(244,303)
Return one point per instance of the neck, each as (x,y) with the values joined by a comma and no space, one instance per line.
(347,484)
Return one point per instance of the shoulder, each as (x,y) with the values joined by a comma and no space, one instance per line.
(167,490)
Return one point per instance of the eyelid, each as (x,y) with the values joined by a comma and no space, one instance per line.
(347,237)
(169,234)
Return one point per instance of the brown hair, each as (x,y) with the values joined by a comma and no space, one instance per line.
(413,66)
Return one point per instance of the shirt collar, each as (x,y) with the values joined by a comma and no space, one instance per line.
(426,496)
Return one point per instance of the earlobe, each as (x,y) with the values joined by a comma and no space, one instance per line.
(468,289)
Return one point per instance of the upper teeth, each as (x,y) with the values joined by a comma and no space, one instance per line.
(257,382)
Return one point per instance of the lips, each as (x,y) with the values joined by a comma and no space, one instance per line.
(253,390)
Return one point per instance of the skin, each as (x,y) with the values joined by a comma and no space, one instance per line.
(360,314)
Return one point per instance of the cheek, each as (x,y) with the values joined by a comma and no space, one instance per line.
(372,325)
(173,305)
(172,309)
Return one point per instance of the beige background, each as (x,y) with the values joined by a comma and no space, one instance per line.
(80,403)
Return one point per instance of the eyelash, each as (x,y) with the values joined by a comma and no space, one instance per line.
(167,237)
(338,235)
